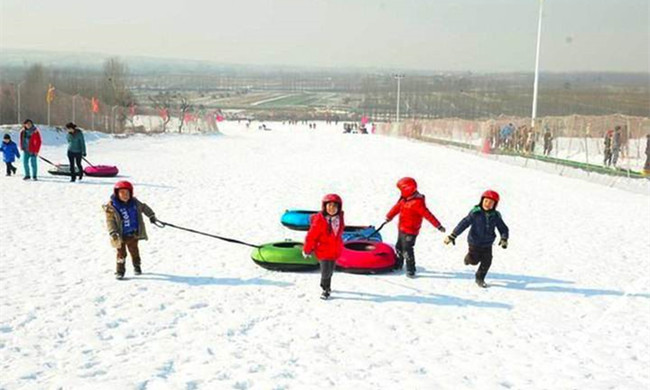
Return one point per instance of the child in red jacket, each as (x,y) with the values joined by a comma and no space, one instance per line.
(325,239)
(411,208)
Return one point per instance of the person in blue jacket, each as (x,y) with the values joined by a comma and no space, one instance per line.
(482,221)
(9,153)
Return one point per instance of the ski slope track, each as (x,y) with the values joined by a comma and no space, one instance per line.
(568,306)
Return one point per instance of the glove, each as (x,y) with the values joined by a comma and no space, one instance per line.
(84,154)
(442,229)
(153,219)
(450,239)
(305,255)
(115,236)
(503,243)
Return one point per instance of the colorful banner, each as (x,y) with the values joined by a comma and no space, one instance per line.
(94,105)
(164,113)
(49,97)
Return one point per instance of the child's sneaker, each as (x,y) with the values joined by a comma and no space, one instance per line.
(325,294)
(481,283)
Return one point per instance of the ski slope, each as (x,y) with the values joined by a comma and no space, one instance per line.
(568,308)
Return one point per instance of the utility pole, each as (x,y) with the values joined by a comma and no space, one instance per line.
(113,116)
(18,100)
(73,110)
(399,78)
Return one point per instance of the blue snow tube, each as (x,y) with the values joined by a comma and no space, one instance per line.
(364,233)
(297,219)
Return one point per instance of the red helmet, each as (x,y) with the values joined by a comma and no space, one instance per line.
(332,198)
(491,195)
(407,186)
(123,185)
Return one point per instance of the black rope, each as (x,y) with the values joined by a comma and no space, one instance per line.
(89,163)
(377,230)
(47,161)
(162,224)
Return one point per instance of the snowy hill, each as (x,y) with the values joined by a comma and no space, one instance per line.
(568,306)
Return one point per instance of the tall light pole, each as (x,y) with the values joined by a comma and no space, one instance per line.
(73,111)
(536,82)
(113,116)
(18,100)
(399,78)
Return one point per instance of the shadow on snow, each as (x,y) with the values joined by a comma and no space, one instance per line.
(531,283)
(210,281)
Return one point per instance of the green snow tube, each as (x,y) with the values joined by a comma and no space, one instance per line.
(283,256)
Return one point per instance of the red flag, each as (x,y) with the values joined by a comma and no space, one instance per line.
(220,118)
(94,105)
(164,114)
(188,117)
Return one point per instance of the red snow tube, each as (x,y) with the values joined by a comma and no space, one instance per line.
(101,171)
(366,257)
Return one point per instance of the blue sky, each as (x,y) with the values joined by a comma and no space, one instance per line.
(456,35)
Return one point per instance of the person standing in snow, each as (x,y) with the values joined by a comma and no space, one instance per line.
(411,208)
(126,225)
(482,220)
(607,143)
(548,141)
(646,167)
(9,153)
(325,239)
(76,150)
(30,144)
(616,145)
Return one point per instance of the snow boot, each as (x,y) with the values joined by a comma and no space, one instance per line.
(137,269)
(325,294)
(410,269)
(481,283)
(120,270)
(26,178)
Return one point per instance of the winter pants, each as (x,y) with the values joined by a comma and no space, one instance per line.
(75,158)
(30,159)
(608,158)
(10,168)
(326,271)
(404,249)
(615,156)
(547,148)
(130,243)
(482,256)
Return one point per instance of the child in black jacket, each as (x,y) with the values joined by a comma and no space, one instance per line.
(483,219)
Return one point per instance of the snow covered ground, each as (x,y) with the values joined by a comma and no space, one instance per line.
(569,305)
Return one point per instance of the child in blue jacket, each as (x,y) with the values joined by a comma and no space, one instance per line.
(483,219)
(9,153)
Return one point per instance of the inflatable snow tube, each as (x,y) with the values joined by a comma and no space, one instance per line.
(297,219)
(361,233)
(366,257)
(101,171)
(60,170)
(283,256)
